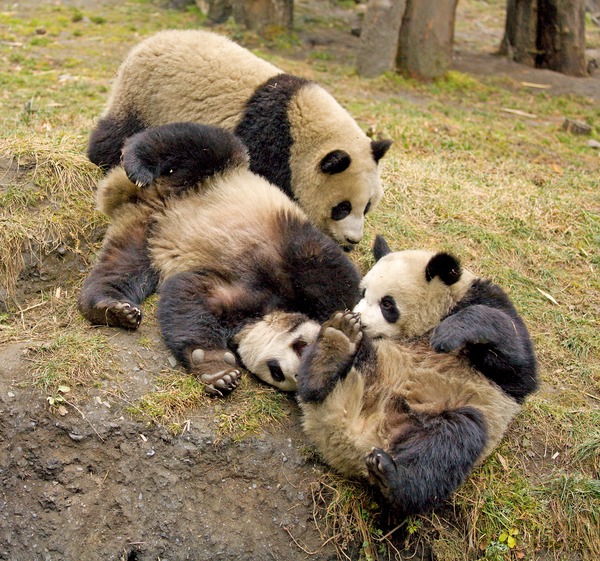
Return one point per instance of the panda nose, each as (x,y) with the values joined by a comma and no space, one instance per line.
(352,240)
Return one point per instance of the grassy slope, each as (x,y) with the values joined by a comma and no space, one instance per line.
(516,197)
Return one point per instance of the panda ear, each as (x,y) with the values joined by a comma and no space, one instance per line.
(379,148)
(335,162)
(380,247)
(445,266)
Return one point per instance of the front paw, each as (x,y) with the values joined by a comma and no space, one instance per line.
(343,329)
(214,369)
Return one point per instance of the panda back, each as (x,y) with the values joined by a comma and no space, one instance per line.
(187,75)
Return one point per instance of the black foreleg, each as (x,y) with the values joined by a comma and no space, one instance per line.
(107,139)
(428,460)
(330,358)
(194,334)
(495,343)
(122,278)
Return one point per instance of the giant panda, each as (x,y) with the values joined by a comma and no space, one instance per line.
(297,135)
(234,258)
(420,381)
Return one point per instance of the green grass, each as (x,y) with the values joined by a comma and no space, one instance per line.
(516,198)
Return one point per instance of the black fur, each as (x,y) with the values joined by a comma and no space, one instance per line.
(431,456)
(488,330)
(185,152)
(265,129)
(336,161)
(185,318)
(107,139)
(379,148)
(123,273)
(380,247)
(444,266)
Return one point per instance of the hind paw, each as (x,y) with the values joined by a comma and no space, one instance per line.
(225,380)
(381,467)
(221,383)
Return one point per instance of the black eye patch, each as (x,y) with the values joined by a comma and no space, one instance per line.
(275,370)
(389,310)
(341,210)
(367,208)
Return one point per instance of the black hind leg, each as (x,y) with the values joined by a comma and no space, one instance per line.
(430,458)
(122,278)
(107,139)
(194,334)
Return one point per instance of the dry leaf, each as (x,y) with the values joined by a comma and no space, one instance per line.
(62,410)
(503,461)
(547,295)
(557,168)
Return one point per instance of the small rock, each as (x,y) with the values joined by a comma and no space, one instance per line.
(576,127)
(591,143)
(76,437)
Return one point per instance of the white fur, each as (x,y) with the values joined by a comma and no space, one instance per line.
(422,304)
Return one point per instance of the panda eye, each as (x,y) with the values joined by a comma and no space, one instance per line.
(389,310)
(171,172)
(367,208)
(275,370)
(341,210)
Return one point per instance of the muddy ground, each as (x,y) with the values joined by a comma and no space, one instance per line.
(96,484)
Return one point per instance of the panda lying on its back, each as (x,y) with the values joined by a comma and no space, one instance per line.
(380,403)
(297,135)
(236,259)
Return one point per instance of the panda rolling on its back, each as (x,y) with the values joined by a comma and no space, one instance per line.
(234,257)
(298,137)
(413,415)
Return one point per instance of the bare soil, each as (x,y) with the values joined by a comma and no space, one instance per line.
(97,484)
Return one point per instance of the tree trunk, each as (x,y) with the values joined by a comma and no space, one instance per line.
(217,11)
(265,16)
(426,38)
(546,34)
(519,42)
(379,37)
(561,36)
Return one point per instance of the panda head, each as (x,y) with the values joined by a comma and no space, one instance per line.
(408,293)
(334,165)
(271,347)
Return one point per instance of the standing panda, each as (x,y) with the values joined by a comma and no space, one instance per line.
(235,258)
(298,137)
(414,415)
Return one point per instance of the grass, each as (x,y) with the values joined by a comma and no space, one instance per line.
(517,198)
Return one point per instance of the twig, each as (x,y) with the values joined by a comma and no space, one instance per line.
(592,396)
(84,418)
(299,546)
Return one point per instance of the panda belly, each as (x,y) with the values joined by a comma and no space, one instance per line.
(339,428)
(189,75)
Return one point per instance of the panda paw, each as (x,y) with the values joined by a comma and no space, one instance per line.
(344,328)
(447,336)
(121,314)
(221,383)
(382,468)
(225,380)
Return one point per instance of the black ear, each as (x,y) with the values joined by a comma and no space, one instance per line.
(380,247)
(379,148)
(335,162)
(445,266)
